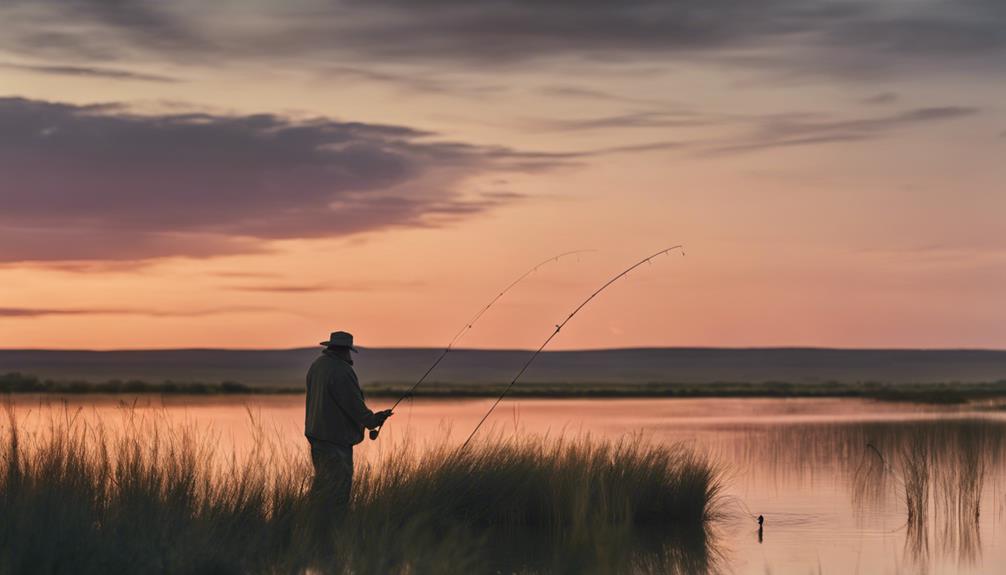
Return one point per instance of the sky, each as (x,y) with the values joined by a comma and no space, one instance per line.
(256,174)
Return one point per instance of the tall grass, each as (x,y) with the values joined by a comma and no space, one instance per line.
(77,498)
(945,473)
(916,465)
(938,473)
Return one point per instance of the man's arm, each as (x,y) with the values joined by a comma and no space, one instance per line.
(346,391)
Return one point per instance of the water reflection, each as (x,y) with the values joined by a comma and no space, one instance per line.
(605,549)
(845,485)
(937,472)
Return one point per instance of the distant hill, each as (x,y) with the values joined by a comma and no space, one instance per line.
(285,368)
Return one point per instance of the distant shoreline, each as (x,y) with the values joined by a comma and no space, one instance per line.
(643,368)
(941,393)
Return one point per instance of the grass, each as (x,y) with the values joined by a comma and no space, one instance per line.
(936,472)
(936,393)
(944,474)
(81,499)
(942,468)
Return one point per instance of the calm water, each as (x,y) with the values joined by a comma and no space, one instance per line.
(830,476)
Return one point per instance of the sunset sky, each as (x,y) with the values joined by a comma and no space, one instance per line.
(259,173)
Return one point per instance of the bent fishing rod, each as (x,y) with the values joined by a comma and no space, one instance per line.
(468,325)
(558,328)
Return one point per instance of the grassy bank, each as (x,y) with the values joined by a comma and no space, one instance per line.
(80,499)
(947,393)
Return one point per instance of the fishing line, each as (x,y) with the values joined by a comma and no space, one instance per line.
(558,328)
(468,325)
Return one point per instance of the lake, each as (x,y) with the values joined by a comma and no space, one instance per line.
(845,486)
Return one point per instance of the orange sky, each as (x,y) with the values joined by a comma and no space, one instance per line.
(852,206)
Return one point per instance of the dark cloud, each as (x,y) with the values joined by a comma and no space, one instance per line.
(57,25)
(91,72)
(848,37)
(99,182)
(23,312)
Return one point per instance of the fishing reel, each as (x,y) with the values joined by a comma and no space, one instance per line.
(374,432)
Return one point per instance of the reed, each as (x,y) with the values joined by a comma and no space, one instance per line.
(77,498)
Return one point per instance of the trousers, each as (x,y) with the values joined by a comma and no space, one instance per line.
(333,476)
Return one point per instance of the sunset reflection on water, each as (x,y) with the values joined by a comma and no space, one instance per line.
(827,474)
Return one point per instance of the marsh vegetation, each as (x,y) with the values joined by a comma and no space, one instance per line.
(833,478)
(936,472)
(941,472)
(78,498)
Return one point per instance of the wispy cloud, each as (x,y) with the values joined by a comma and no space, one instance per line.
(88,71)
(411,82)
(791,130)
(752,133)
(567,91)
(31,312)
(657,146)
(882,98)
(633,120)
(359,286)
(241,274)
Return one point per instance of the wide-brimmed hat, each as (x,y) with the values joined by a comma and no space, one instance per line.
(340,339)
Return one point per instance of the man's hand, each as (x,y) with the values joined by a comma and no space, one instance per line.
(382,416)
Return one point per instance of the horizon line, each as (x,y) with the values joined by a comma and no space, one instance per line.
(504,349)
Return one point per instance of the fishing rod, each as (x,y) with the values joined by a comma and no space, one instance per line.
(558,328)
(468,325)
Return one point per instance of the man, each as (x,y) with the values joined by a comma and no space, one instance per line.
(334,422)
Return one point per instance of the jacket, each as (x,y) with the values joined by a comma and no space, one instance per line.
(336,411)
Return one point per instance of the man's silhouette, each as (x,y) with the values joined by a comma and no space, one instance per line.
(335,417)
